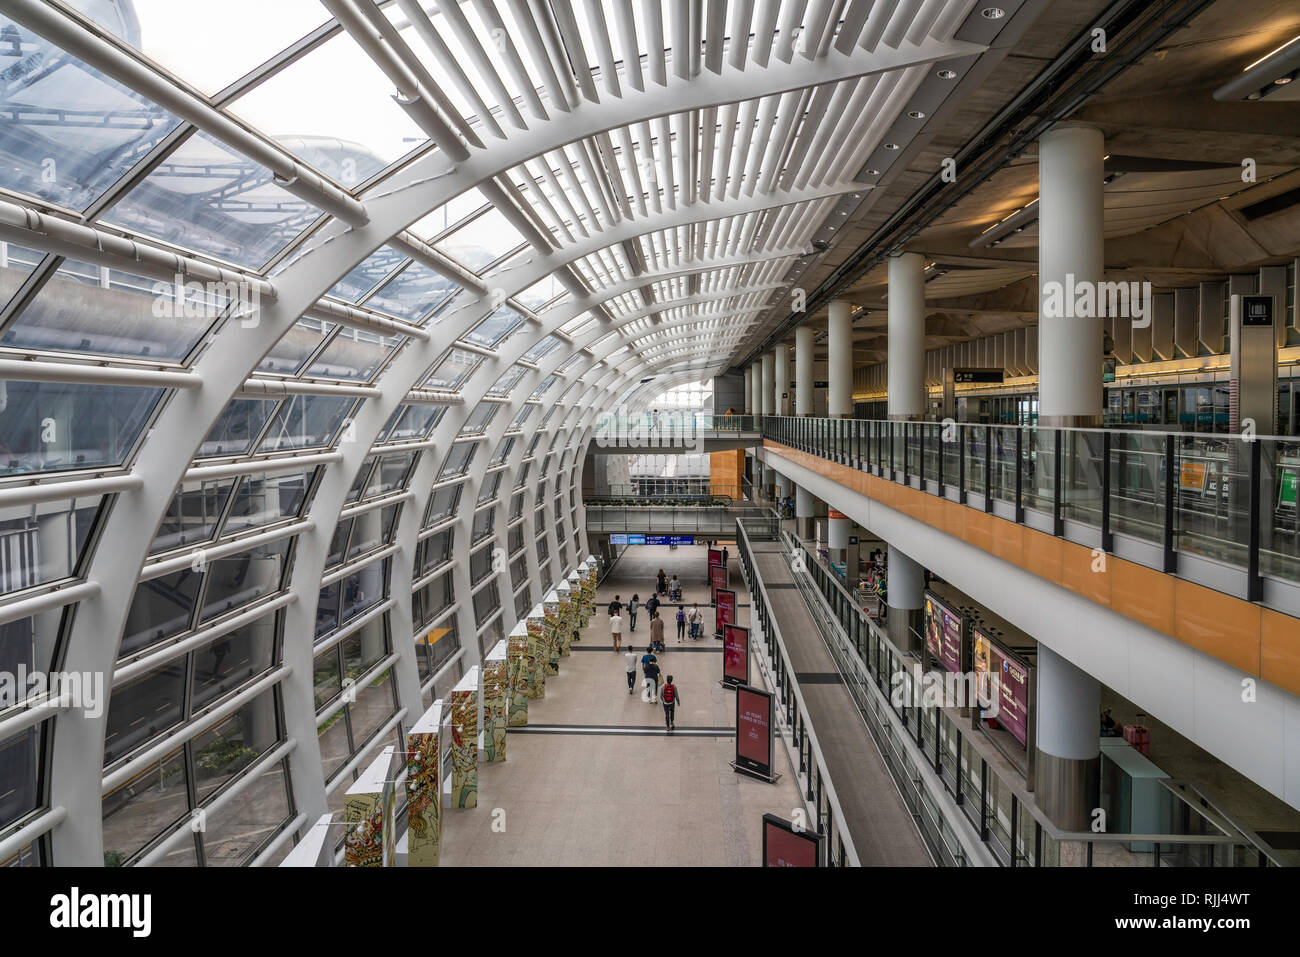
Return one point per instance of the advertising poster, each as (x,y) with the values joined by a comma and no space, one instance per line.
(943,634)
(786,846)
(754,732)
(423,789)
(517,675)
(735,655)
(715,559)
(1012,680)
(724,605)
(718,579)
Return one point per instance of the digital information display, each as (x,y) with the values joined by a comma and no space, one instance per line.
(784,846)
(735,655)
(724,610)
(943,634)
(753,732)
(1013,685)
(620,538)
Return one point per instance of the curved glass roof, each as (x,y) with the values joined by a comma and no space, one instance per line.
(272,289)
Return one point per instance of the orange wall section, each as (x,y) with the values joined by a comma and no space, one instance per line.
(726,472)
(1247,636)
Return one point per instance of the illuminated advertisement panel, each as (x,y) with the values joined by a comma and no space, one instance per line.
(735,655)
(943,633)
(992,661)
(754,732)
(724,604)
(786,846)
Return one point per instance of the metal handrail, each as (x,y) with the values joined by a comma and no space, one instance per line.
(758,589)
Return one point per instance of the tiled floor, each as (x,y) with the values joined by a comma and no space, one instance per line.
(633,795)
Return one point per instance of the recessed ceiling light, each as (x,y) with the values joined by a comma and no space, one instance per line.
(1282,81)
(891,146)
(946,74)
(873,172)
(916,114)
(993,13)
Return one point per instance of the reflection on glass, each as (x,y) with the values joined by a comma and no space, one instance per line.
(206,198)
(238,580)
(162,607)
(306,421)
(52,426)
(267,498)
(193,513)
(412,294)
(231,745)
(237,831)
(238,425)
(70,132)
(143,808)
(144,708)
(231,660)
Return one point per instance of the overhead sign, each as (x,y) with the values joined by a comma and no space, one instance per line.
(1257,310)
(977,375)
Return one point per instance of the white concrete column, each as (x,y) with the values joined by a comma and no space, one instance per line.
(906,339)
(805,510)
(781,383)
(756,387)
(905,597)
(1070,261)
(1067,771)
(749,392)
(840,327)
(803,370)
(769,375)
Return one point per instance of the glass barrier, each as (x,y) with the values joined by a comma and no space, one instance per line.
(1229,498)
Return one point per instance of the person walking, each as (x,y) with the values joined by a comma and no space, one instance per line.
(670,698)
(681,622)
(652,604)
(696,619)
(631,659)
(615,606)
(616,630)
(650,672)
(661,582)
(632,607)
(656,631)
(674,590)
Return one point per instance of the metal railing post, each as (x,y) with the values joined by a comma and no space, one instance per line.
(1020,498)
(1254,582)
(1171,478)
(1058,458)
(1107,539)
(988,468)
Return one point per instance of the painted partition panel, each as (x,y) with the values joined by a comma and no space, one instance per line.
(538,652)
(496,701)
(565,621)
(369,813)
(424,789)
(551,613)
(518,674)
(464,740)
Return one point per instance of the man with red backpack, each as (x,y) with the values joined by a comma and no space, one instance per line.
(669,696)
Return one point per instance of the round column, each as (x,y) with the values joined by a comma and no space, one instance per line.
(755,388)
(803,370)
(769,375)
(839,397)
(905,597)
(781,383)
(1070,261)
(805,510)
(1067,770)
(748,393)
(906,339)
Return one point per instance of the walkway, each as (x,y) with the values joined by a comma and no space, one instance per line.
(594,780)
(882,828)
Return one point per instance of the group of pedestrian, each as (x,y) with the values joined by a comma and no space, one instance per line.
(668,695)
